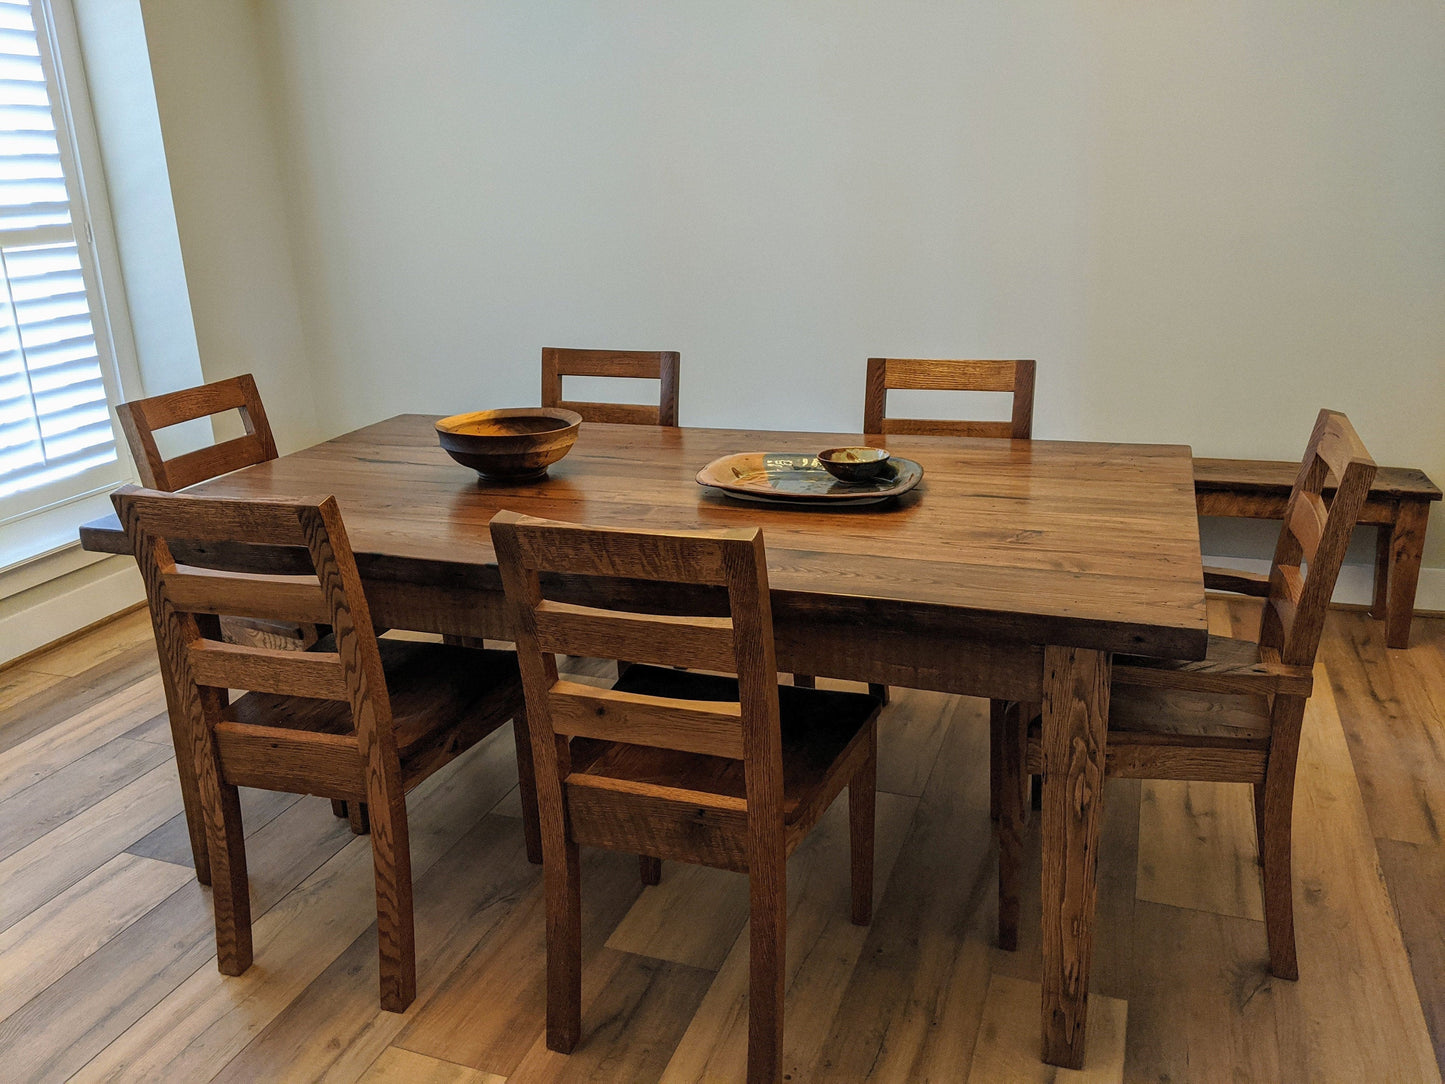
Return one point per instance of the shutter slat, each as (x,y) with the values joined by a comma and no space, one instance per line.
(73,394)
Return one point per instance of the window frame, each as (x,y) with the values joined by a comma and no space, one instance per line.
(50,528)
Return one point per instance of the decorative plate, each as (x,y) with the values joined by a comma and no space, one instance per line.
(798,478)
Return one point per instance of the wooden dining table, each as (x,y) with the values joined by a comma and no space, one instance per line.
(1014,571)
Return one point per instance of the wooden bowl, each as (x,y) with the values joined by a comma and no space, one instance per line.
(854,464)
(513,445)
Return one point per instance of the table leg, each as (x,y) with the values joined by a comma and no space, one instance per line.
(1075,718)
(1407,546)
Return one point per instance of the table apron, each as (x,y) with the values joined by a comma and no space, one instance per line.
(439,608)
(923,659)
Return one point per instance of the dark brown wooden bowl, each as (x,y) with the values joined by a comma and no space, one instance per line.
(854,464)
(513,445)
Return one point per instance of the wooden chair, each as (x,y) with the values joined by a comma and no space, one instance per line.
(917,374)
(673,764)
(1234,717)
(359,719)
(659,365)
(143,418)
(885,374)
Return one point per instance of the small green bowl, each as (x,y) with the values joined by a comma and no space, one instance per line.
(854,464)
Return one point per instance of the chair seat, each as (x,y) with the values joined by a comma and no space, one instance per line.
(818,726)
(432,687)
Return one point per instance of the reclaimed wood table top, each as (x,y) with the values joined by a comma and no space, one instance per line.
(1086,544)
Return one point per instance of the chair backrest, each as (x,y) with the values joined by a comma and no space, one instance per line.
(1313,540)
(187,600)
(143,417)
(659,365)
(741,643)
(918,374)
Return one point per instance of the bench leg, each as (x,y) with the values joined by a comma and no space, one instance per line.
(1378,604)
(1406,547)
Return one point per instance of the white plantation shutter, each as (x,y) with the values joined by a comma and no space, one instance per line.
(57,442)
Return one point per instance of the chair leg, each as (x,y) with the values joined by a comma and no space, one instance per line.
(359,817)
(353,812)
(1259,821)
(768,892)
(650,869)
(1276,830)
(1010,788)
(195,826)
(1032,786)
(190,787)
(527,788)
(564,948)
(997,709)
(230,888)
(395,926)
(862,803)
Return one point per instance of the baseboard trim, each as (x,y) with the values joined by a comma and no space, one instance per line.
(35,653)
(45,615)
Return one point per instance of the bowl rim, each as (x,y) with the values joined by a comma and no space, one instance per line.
(450,425)
(882,455)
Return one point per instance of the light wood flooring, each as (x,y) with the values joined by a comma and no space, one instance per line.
(107,967)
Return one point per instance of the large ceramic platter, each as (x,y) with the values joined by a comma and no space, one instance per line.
(798,478)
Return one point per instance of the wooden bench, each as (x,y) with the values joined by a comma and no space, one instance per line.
(1399,505)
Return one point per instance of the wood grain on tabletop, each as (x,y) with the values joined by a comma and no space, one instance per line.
(1025,540)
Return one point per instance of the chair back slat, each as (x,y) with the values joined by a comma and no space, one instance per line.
(925,374)
(216,459)
(742,643)
(1287,584)
(1307,521)
(277,598)
(713,729)
(188,404)
(670,556)
(703,643)
(922,374)
(612,413)
(314,674)
(660,365)
(923,427)
(251,522)
(142,418)
(1314,537)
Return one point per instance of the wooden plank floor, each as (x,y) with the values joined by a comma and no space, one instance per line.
(107,967)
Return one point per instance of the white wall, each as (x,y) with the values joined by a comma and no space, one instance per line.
(214,87)
(1204,220)
(132,155)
